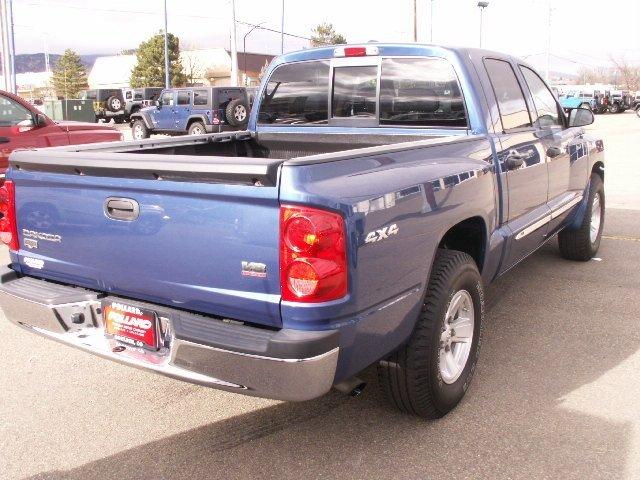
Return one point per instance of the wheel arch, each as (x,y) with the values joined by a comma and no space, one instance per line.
(142,116)
(468,236)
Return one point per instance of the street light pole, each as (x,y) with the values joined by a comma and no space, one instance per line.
(244,51)
(482,6)
(431,19)
(415,21)
(282,30)
(167,79)
(234,47)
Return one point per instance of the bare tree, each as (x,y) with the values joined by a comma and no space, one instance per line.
(629,75)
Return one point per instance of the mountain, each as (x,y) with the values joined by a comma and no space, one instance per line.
(34,62)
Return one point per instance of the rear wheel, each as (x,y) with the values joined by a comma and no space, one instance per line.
(430,374)
(638,111)
(118,120)
(582,244)
(614,108)
(139,130)
(196,128)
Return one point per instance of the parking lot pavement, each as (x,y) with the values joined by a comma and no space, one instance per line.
(555,394)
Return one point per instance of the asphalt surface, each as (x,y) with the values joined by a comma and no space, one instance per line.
(555,394)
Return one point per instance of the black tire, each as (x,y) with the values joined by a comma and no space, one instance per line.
(237,113)
(139,130)
(638,111)
(614,108)
(118,120)
(578,244)
(196,128)
(411,376)
(114,104)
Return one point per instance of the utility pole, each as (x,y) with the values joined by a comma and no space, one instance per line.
(167,78)
(546,74)
(282,30)
(482,6)
(12,48)
(431,28)
(415,21)
(234,46)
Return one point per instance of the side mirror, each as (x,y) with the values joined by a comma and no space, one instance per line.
(158,103)
(39,120)
(580,117)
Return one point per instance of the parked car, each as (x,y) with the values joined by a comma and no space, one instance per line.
(377,190)
(23,125)
(108,104)
(193,110)
(579,99)
(619,101)
(139,98)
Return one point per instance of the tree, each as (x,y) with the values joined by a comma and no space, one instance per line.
(149,68)
(69,75)
(324,34)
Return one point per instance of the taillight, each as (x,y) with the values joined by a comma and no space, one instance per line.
(8,227)
(313,255)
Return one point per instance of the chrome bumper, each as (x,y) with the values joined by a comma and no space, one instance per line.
(294,379)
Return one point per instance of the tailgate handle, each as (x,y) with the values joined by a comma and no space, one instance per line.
(125,209)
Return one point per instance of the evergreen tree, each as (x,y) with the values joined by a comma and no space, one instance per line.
(324,34)
(69,75)
(149,69)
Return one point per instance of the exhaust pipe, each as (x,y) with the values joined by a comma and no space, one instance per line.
(352,387)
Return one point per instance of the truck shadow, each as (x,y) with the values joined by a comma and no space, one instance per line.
(547,334)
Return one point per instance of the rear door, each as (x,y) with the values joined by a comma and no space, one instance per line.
(523,163)
(565,150)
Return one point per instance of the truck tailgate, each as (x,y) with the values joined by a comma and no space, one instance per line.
(176,236)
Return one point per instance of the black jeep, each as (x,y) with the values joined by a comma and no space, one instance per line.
(108,103)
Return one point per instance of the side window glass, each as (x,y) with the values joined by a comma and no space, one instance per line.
(200,97)
(184,98)
(543,99)
(167,98)
(12,113)
(513,108)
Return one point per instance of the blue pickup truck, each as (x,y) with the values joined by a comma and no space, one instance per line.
(376,191)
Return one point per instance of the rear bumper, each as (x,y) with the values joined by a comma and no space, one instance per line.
(197,349)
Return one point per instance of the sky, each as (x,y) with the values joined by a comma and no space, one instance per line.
(519,27)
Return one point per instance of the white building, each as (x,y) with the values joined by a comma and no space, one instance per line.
(211,66)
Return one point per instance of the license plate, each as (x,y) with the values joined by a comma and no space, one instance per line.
(129,324)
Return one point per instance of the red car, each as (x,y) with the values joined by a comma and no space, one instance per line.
(24,126)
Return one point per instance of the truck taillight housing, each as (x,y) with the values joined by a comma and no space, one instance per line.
(8,227)
(313,255)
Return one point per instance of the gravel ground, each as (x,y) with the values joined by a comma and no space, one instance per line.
(555,394)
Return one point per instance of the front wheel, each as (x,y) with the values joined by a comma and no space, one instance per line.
(430,374)
(614,108)
(582,244)
(638,112)
(139,130)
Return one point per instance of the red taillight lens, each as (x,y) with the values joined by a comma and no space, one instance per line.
(313,257)
(8,227)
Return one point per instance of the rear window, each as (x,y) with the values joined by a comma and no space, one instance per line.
(420,92)
(354,91)
(200,97)
(297,94)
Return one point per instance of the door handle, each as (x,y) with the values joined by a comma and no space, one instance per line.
(553,152)
(5,139)
(124,209)
(514,160)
